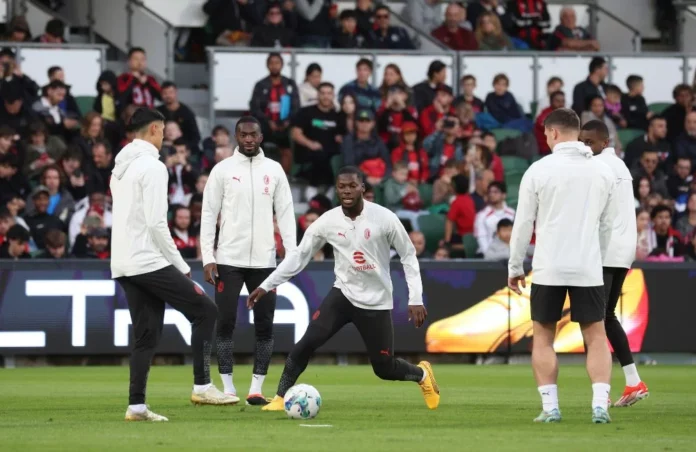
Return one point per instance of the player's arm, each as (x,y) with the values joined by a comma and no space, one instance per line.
(285,213)
(401,242)
(212,203)
(156,204)
(522,230)
(606,220)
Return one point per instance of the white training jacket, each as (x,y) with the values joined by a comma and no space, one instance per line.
(362,256)
(566,197)
(622,247)
(140,237)
(245,191)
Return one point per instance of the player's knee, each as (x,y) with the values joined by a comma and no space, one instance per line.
(384,368)
(264,330)
(147,339)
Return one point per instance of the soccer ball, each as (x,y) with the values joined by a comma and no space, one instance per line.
(302,402)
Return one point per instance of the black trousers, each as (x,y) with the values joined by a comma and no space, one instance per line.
(147,295)
(229,285)
(613,283)
(375,328)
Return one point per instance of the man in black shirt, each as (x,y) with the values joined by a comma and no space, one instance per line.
(654,139)
(317,136)
(56,246)
(173,110)
(675,114)
(15,246)
(679,181)
(633,105)
(99,172)
(12,181)
(15,111)
(593,86)
(41,221)
(424,92)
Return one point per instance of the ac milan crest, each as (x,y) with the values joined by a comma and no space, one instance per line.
(367,234)
(266,180)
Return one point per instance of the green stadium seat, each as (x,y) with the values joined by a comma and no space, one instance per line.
(441,208)
(658,107)
(336,163)
(513,193)
(470,245)
(84,103)
(502,134)
(379,194)
(433,228)
(514,167)
(628,135)
(537,157)
(426,194)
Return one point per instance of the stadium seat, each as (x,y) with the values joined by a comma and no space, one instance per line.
(658,107)
(84,103)
(514,166)
(513,193)
(501,134)
(628,135)
(433,228)
(470,245)
(537,157)
(379,194)
(336,164)
(426,194)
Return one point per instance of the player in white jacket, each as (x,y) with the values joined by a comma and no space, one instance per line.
(245,189)
(620,255)
(362,234)
(149,268)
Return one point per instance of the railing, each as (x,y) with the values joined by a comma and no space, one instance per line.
(686,24)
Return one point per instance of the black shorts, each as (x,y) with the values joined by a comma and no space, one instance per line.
(614,278)
(587,304)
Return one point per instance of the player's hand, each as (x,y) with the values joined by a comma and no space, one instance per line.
(255,296)
(417,314)
(514,284)
(210,273)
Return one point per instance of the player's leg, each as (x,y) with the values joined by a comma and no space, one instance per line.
(332,315)
(588,308)
(147,317)
(227,289)
(264,310)
(377,331)
(635,389)
(547,308)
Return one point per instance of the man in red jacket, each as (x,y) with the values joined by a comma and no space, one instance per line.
(451,34)
(135,86)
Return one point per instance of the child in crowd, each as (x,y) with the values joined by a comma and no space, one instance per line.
(612,105)
(501,104)
(499,248)
(633,105)
(412,154)
(461,215)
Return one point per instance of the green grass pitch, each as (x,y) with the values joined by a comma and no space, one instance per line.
(487,408)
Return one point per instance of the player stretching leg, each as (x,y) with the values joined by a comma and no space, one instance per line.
(361,234)
(620,255)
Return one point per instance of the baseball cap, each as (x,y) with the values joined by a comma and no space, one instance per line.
(365,115)
(98,232)
(444,88)
(40,189)
(409,126)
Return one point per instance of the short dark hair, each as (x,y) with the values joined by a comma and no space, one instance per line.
(435,67)
(563,118)
(659,209)
(592,98)
(502,186)
(325,85)
(369,188)
(220,128)
(168,84)
(612,88)
(679,89)
(143,117)
(467,77)
(56,84)
(181,141)
(382,7)
(55,27)
(364,62)
(556,94)
(73,153)
(4,213)
(274,55)
(18,233)
(597,63)
(650,149)
(136,50)
(52,70)
(487,134)
(348,14)
(632,80)
(461,184)
(197,197)
(7,131)
(554,79)
(504,223)
(313,67)
(54,238)
(178,207)
(597,126)
(10,160)
(348,170)
(246,120)
(655,118)
(104,143)
(8,52)
(501,78)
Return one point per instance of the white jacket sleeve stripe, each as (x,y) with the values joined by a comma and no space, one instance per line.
(212,203)
(285,214)
(523,227)
(401,242)
(155,203)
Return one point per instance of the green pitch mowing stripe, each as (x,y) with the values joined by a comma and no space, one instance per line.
(483,408)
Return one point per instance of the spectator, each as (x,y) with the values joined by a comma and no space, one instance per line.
(444,145)
(40,220)
(431,117)
(412,154)
(593,86)
(53,34)
(308,88)
(230,20)
(487,220)
(442,187)
(530,19)
(69,105)
(12,181)
(686,142)
(200,183)
(467,86)
(366,150)
(185,242)
(467,122)
(686,224)
(15,112)
(397,187)
(654,139)
(499,247)
(220,137)
(442,254)
(462,213)
(418,241)
(60,202)
(15,245)
(15,204)
(568,36)
(452,34)
(18,30)
(369,193)
(557,101)
(6,222)
(93,245)
(221,153)
(135,86)
(182,176)
(500,103)
(48,108)
(12,76)
(679,181)
(41,150)
(633,105)
(392,115)
(663,240)
(553,84)
(56,246)
(71,167)
(348,35)
(675,114)
(612,106)
(316,134)
(274,101)
(365,95)
(490,34)
(315,20)
(648,168)
(346,117)
(477,8)
(642,188)
(423,15)
(391,78)
(273,32)
(644,232)
(107,102)
(387,36)
(304,222)
(596,111)
(424,92)
(91,132)
(102,165)
(365,14)
(483,180)
(92,212)
(196,208)
(173,110)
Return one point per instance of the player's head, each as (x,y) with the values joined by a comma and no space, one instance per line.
(561,125)
(249,136)
(595,134)
(147,124)
(350,186)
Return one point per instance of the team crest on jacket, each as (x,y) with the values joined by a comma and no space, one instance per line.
(367,233)
(266,180)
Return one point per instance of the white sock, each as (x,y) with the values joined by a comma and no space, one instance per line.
(200,389)
(600,395)
(228,384)
(425,375)
(256,384)
(139,408)
(631,374)
(549,397)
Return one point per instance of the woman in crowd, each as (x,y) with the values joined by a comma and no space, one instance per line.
(308,88)
(392,77)
(346,117)
(490,34)
(641,189)
(91,131)
(643,226)
(41,150)
(60,202)
(595,110)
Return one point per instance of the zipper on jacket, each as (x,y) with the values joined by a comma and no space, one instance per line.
(251,180)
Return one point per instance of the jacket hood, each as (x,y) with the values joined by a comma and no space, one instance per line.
(577,146)
(107,76)
(133,151)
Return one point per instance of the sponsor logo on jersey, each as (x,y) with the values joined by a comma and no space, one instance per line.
(359,258)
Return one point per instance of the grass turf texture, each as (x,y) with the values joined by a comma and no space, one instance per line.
(482,408)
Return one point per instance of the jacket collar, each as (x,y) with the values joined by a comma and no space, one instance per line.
(609,151)
(240,157)
(573,147)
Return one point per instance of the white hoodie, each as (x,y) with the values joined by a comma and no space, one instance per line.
(245,192)
(140,238)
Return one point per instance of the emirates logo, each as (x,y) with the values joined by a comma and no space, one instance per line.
(359,257)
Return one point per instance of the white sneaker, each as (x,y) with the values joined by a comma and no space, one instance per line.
(146,415)
(213,396)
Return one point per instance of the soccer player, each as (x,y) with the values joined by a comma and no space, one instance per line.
(620,255)
(245,189)
(567,194)
(361,234)
(147,265)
